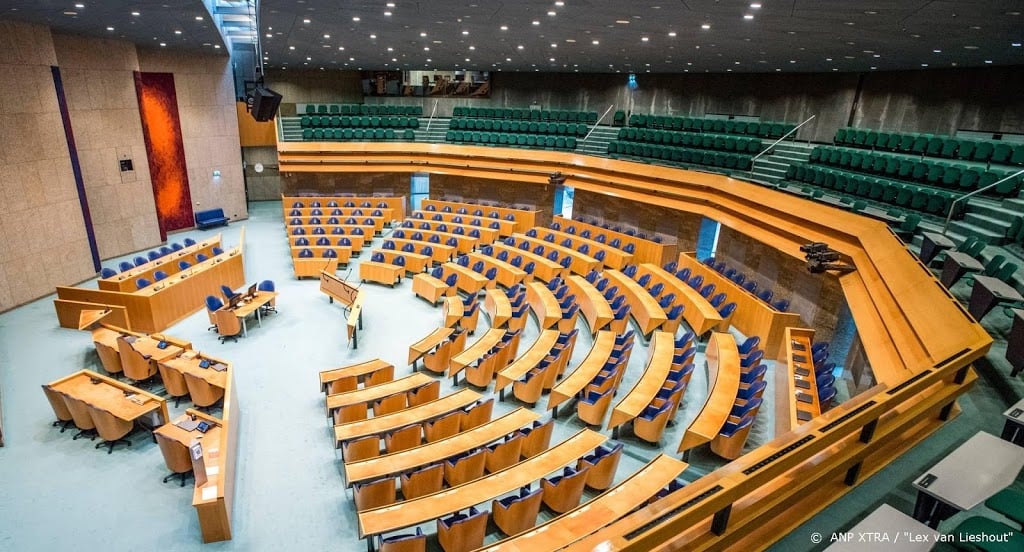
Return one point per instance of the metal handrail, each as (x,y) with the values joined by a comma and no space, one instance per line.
(597,123)
(952,206)
(431,119)
(784,136)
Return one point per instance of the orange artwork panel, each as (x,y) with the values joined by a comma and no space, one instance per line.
(165,151)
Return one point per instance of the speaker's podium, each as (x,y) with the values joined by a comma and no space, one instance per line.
(349,297)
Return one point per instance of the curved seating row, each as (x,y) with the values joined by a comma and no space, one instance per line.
(688,139)
(354,122)
(383,398)
(362,109)
(463,399)
(579,263)
(907,196)
(526,114)
(546,141)
(523,218)
(695,156)
(765,129)
(644,250)
(515,127)
(502,226)
(932,145)
(654,399)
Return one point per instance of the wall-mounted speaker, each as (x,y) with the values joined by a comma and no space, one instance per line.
(264,103)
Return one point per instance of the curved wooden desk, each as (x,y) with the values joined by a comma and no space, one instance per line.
(526,361)
(544,268)
(645,309)
(367,395)
(508,275)
(432,506)
(379,425)
(581,263)
(474,351)
(429,453)
(125,281)
(646,251)
(613,257)
(327,377)
(497,307)
(441,252)
(592,303)
(433,339)
(697,311)
(724,369)
(452,310)
(659,363)
(629,494)
(414,262)
(523,218)
(752,316)
(487,235)
(505,227)
(466,280)
(544,304)
(604,342)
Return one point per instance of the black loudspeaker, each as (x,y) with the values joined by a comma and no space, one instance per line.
(264,104)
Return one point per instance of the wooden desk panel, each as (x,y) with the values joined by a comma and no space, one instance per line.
(414,262)
(523,219)
(505,227)
(797,337)
(466,280)
(508,275)
(442,253)
(498,308)
(593,305)
(423,455)
(581,264)
(644,309)
(352,371)
(544,269)
(487,235)
(109,394)
(432,506)
(752,315)
(452,310)
(475,351)
(188,363)
(125,281)
(381,273)
(697,311)
(358,240)
(723,360)
(528,360)
(308,225)
(659,363)
(631,493)
(604,342)
(379,425)
(613,257)
(433,339)
(646,251)
(367,395)
(544,304)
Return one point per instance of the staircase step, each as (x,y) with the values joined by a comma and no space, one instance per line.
(1014,204)
(993,210)
(997,225)
(965,228)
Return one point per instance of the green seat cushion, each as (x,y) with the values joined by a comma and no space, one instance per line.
(981,528)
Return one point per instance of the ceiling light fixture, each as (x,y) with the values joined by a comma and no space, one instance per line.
(110,28)
(755,6)
(748,16)
(595,42)
(79,6)
(387,14)
(306,21)
(672,34)
(136,14)
(644,39)
(535,22)
(199,18)
(504,27)
(705,26)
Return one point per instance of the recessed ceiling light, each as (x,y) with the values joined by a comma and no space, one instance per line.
(390,4)
(426,48)
(177,32)
(975,28)
(327,36)
(924,65)
(387,14)
(549,59)
(988,61)
(309,58)
(622,21)
(970,47)
(270,35)
(520,47)
(570,40)
(748,16)
(553,45)
(705,26)
(535,22)
(559,4)
(429,60)
(136,14)
(341,48)
(504,27)
(110,28)
(467,59)
(595,42)
(645,39)
(199,18)
(464,33)
(162,44)
(373,36)
(873,67)
(69,12)
(871,12)
(472,47)
(755,6)
(306,21)
(792,61)
(672,33)
(1015,44)
(79,6)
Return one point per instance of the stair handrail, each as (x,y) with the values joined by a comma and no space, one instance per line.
(431,119)
(606,111)
(952,206)
(775,143)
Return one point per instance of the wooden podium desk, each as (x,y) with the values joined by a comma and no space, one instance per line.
(250,306)
(189,363)
(423,346)
(544,304)
(120,399)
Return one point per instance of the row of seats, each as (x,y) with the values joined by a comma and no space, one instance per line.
(363,109)
(348,204)
(907,196)
(686,139)
(600,237)
(733,434)
(718,301)
(317,121)
(338,231)
(532,127)
(526,114)
(661,410)
(320,134)
(902,167)
(125,266)
(527,140)
(764,129)
(739,278)
(932,145)
(823,375)
(465,211)
(681,155)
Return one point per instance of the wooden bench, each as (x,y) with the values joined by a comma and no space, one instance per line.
(467,281)
(313,266)
(502,226)
(487,235)
(440,253)
(379,425)
(382,273)
(430,288)
(723,360)
(645,251)
(348,378)
(335,233)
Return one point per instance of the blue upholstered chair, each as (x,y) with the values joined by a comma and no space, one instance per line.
(124,266)
(108,273)
(305,254)
(142,283)
(159,275)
